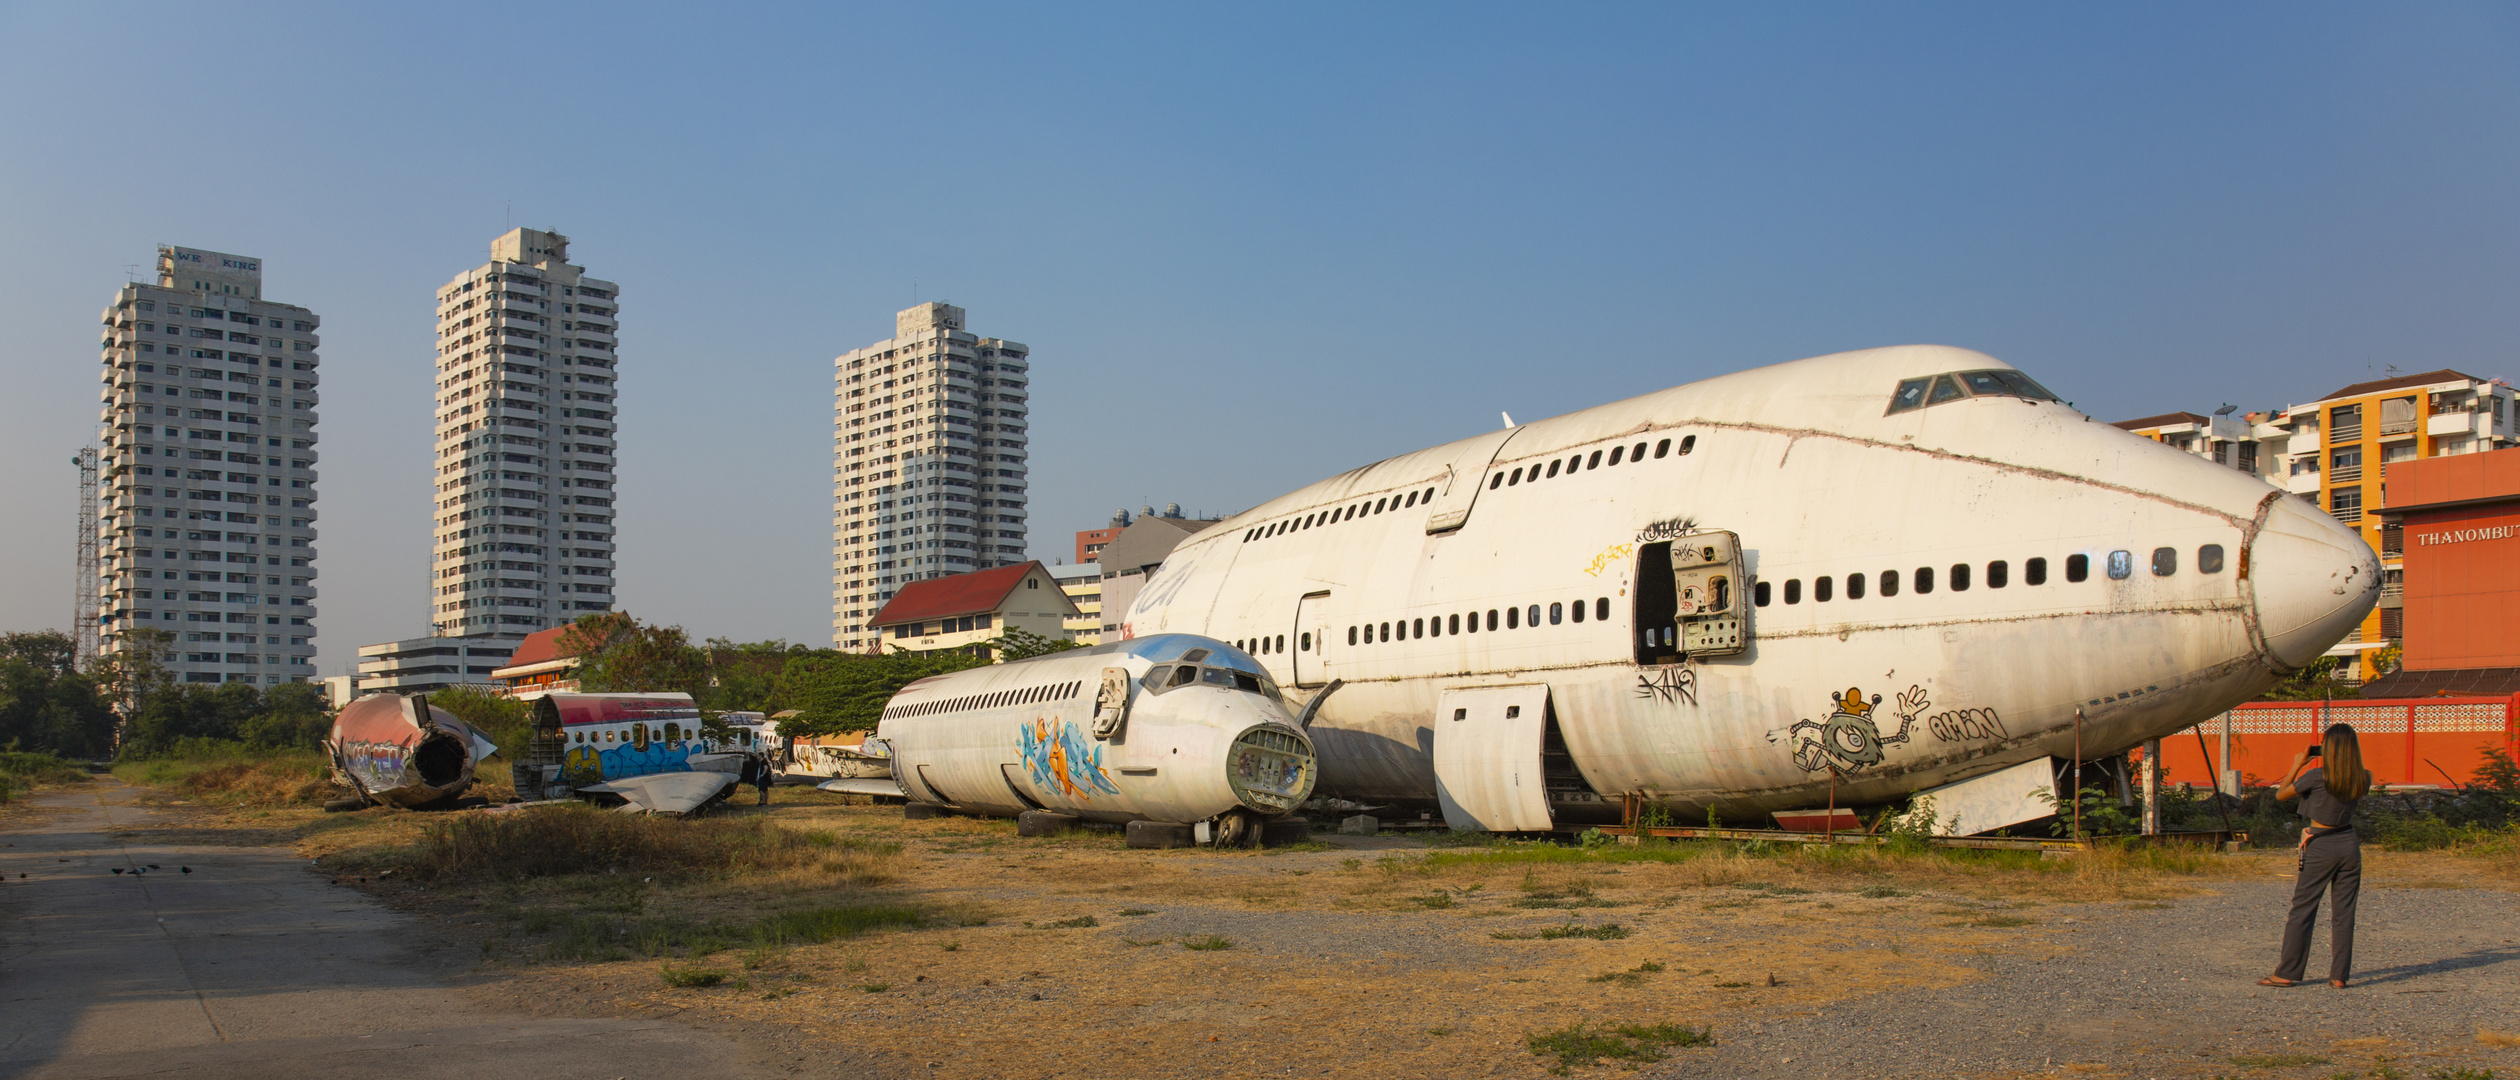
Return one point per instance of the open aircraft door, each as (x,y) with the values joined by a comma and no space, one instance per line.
(1488,772)
(1312,645)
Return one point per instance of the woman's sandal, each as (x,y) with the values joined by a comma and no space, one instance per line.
(2273,981)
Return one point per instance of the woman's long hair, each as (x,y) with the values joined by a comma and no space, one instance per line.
(2346,777)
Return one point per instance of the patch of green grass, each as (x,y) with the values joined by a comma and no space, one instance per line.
(1607,932)
(1207,943)
(2459,1072)
(1581,1044)
(1439,1031)
(1631,977)
(873,988)
(951,946)
(1136,944)
(1136,911)
(1883,892)
(1435,901)
(2278,1061)
(814,926)
(690,978)
(1078,923)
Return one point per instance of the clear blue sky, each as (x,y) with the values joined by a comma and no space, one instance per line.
(1249,247)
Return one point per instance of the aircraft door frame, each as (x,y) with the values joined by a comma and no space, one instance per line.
(1489,773)
(1312,640)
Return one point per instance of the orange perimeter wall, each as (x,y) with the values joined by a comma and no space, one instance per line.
(2403,742)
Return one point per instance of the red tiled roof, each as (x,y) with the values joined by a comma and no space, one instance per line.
(945,597)
(540,647)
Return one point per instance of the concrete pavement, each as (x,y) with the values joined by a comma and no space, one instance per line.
(253,966)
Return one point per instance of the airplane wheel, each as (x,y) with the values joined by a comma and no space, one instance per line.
(1158,834)
(1238,829)
(1043,823)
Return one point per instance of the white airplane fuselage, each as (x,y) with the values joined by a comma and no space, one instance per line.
(2042,564)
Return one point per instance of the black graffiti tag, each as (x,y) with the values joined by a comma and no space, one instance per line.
(1966,725)
(1672,685)
(1666,529)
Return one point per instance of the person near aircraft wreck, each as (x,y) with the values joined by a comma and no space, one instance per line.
(2331,855)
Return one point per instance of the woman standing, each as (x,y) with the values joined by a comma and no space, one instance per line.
(2331,855)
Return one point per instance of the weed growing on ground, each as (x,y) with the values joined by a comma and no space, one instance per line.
(690,978)
(1580,1044)
(2460,1072)
(1882,892)
(1136,911)
(1206,943)
(1078,923)
(1631,977)
(873,988)
(1136,944)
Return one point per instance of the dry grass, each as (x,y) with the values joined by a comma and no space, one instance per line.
(261,783)
(557,841)
(2105,874)
(2491,1037)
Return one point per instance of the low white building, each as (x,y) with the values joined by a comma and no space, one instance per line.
(425,665)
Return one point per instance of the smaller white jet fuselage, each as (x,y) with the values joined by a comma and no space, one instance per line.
(1938,565)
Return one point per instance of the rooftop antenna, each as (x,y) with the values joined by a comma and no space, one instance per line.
(2391,369)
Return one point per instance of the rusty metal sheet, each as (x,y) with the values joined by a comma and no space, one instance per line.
(1487,758)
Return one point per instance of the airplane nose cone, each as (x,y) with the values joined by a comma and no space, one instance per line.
(2314,579)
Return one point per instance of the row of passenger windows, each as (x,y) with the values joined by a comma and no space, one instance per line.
(1344,513)
(1581,462)
(1468,622)
(1026,696)
(2120,566)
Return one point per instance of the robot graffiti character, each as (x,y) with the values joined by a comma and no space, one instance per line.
(1849,738)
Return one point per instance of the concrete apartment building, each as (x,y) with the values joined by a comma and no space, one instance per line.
(930,435)
(206,473)
(2336,452)
(427,665)
(1133,556)
(2244,443)
(526,375)
(1082,582)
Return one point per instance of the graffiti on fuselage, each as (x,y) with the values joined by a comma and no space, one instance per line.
(628,753)
(377,764)
(1850,738)
(1666,529)
(1673,685)
(1966,725)
(1061,759)
(1610,556)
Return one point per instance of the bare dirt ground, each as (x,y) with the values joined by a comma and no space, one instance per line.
(1389,957)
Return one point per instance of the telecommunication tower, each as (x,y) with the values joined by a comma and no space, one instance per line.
(85,634)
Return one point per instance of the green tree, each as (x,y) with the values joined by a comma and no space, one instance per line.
(744,676)
(294,716)
(46,703)
(2320,679)
(1024,645)
(620,655)
(836,691)
(504,720)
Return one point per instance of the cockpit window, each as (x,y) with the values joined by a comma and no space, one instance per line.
(1184,675)
(1194,656)
(1922,391)
(1218,677)
(1174,676)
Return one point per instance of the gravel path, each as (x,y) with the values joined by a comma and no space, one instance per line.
(2172,992)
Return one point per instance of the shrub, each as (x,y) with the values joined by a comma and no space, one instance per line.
(1579,1044)
(576,839)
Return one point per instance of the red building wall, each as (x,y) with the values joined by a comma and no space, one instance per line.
(2462,559)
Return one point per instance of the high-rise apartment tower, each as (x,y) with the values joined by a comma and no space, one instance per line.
(525,378)
(928,462)
(206,501)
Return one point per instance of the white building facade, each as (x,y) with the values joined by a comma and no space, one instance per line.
(206,492)
(525,442)
(930,445)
